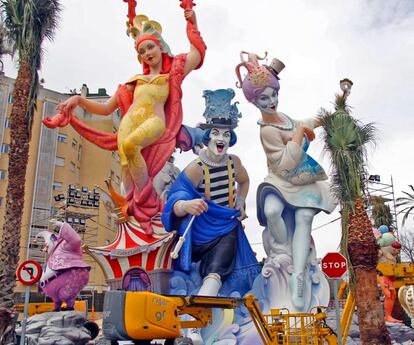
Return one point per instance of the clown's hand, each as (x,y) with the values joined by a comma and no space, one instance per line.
(56,222)
(240,206)
(243,214)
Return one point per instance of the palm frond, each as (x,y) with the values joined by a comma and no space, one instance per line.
(345,140)
(403,202)
(407,202)
(28,23)
(411,196)
(407,214)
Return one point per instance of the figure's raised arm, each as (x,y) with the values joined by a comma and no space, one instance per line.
(90,106)
(198,48)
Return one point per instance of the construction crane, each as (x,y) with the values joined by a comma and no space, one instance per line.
(147,316)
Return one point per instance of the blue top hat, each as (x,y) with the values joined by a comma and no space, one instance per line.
(220,113)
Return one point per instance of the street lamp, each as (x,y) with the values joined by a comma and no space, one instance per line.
(346,85)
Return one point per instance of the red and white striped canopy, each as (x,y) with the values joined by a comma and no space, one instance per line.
(132,247)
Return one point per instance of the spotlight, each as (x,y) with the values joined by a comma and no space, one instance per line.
(78,194)
(82,222)
(72,187)
(96,204)
(75,220)
(374,178)
(90,203)
(85,190)
(71,201)
(59,197)
(84,203)
(69,220)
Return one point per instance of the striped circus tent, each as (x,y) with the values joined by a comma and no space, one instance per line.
(132,247)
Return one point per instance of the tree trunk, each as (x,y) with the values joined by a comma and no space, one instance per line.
(18,158)
(363,253)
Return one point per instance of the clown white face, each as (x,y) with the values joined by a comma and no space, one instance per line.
(219,142)
(267,101)
(50,242)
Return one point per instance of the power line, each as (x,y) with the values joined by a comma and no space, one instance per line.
(320,226)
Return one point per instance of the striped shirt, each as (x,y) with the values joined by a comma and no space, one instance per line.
(219,183)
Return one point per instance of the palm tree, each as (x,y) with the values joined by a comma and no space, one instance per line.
(3,42)
(407,202)
(381,213)
(345,140)
(28,23)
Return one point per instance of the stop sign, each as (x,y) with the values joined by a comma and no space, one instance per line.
(334,265)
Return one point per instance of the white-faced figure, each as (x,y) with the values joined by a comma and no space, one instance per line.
(66,273)
(294,190)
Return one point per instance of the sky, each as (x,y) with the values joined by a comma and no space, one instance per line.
(320,41)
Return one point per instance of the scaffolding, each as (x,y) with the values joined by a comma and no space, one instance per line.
(80,208)
(375,187)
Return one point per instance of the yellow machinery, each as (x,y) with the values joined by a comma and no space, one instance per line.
(403,272)
(150,316)
(43,307)
(282,327)
(404,275)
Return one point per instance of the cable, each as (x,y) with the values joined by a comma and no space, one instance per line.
(321,226)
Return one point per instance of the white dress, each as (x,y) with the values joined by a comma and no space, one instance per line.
(284,155)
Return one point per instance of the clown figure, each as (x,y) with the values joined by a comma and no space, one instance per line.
(213,188)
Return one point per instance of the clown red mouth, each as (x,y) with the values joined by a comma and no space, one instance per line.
(220,147)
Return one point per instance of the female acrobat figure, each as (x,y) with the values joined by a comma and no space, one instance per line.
(151,107)
(295,189)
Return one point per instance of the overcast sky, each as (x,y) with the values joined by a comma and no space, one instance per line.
(320,41)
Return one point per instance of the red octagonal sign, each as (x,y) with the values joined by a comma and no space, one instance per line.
(334,265)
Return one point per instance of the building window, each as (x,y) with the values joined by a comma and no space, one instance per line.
(3,174)
(115,155)
(72,167)
(74,143)
(79,152)
(62,138)
(112,175)
(5,148)
(10,99)
(7,122)
(117,180)
(59,161)
(57,185)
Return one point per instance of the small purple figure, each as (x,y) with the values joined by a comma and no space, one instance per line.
(65,274)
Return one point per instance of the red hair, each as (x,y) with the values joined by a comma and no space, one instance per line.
(147,37)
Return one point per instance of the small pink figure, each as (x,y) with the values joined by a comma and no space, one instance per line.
(65,274)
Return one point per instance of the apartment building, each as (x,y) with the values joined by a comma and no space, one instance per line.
(63,176)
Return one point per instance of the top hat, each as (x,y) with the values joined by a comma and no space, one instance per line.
(275,67)
(220,113)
